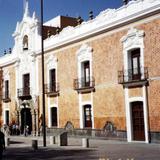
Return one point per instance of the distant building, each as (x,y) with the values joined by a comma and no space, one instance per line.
(102,75)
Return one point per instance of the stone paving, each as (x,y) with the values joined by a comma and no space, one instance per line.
(20,149)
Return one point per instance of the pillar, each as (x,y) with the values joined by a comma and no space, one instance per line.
(33,122)
(19,123)
(36,122)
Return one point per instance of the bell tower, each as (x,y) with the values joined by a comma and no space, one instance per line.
(26,9)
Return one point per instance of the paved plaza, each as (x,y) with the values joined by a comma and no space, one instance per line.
(20,149)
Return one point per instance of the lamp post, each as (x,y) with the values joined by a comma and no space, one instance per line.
(43,94)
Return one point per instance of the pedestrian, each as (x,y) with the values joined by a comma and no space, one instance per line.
(17,130)
(2,144)
(26,130)
(14,129)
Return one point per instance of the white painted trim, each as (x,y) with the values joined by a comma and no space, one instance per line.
(128,119)
(144,101)
(58,116)
(133,99)
(51,64)
(49,113)
(92,110)
(80,110)
(145,109)
(84,54)
(37,77)
(105,20)
(134,39)
(154,78)
(6,77)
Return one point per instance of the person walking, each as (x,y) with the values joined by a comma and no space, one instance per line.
(2,144)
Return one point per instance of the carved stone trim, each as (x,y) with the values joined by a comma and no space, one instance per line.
(84,53)
(134,37)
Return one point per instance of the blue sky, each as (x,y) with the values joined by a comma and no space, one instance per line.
(11,11)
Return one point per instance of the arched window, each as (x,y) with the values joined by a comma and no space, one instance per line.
(25,42)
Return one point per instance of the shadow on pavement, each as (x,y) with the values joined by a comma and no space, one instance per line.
(49,154)
(15,142)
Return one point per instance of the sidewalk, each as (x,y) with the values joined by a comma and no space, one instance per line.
(20,148)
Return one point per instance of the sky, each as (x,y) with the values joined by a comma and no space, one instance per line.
(11,11)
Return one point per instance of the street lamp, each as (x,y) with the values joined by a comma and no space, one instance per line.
(43,94)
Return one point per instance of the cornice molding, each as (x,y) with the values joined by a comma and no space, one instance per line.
(109,18)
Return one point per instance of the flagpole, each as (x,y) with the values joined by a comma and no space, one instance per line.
(43,94)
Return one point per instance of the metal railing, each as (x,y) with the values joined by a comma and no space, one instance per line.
(132,75)
(82,83)
(24,92)
(52,87)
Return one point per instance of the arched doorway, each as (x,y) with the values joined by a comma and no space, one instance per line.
(26,119)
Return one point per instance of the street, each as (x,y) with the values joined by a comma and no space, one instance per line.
(20,148)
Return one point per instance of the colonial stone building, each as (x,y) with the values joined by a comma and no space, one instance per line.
(101,75)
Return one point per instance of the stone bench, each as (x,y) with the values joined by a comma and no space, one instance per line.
(85,142)
(34,144)
(62,139)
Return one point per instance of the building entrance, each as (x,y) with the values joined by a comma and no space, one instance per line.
(26,120)
(138,121)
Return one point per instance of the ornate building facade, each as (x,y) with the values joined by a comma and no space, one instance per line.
(99,74)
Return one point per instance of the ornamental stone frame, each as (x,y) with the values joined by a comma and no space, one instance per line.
(33,105)
(84,54)
(134,39)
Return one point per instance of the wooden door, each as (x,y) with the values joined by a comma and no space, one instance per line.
(86,74)
(52,80)
(138,121)
(26,84)
(135,62)
(87,116)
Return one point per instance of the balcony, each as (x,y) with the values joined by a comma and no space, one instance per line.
(6,97)
(133,77)
(84,85)
(52,89)
(24,93)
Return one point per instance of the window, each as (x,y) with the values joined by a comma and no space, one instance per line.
(135,64)
(6,89)
(7,117)
(52,79)
(54,116)
(26,84)
(25,42)
(85,74)
(87,116)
